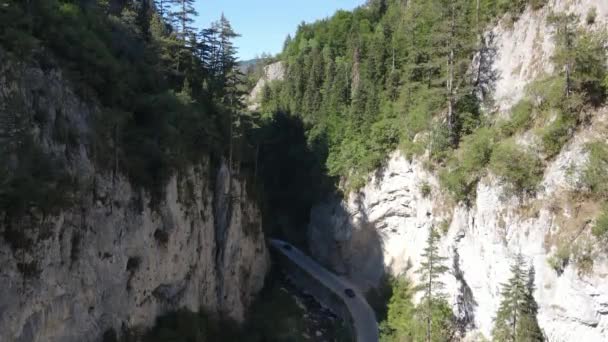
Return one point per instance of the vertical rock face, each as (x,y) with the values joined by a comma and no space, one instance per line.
(383,227)
(272,72)
(110,261)
(524,48)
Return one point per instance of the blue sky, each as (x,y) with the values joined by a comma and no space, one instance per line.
(264,24)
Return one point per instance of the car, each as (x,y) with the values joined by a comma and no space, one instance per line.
(286,247)
(350,293)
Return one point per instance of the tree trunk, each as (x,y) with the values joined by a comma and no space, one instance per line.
(429,318)
(568,66)
(450,82)
(393,58)
(115,170)
(230,143)
(183,20)
(255,168)
(477,10)
(481,50)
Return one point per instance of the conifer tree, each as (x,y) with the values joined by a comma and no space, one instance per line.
(580,56)
(516,317)
(226,57)
(433,299)
(565,29)
(163,7)
(184,13)
(401,324)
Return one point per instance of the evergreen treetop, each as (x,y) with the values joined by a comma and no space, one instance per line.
(516,317)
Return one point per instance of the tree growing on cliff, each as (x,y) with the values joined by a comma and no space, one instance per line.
(433,309)
(401,323)
(516,316)
(580,57)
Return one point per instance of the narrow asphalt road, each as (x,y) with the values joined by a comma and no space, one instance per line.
(364,319)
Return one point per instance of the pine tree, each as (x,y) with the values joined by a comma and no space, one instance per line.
(163,8)
(312,96)
(143,18)
(184,13)
(431,269)
(129,17)
(455,33)
(580,56)
(401,324)
(104,5)
(516,317)
(158,28)
(564,57)
(226,56)
(208,50)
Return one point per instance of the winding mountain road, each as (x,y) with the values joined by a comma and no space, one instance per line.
(364,318)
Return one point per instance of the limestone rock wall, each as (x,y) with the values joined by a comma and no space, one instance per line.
(111,260)
(272,72)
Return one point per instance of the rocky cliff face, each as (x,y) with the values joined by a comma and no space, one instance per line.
(110,260)
(272,72)
(384,226)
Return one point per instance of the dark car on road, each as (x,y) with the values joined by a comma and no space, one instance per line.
(287,247)
(350,293)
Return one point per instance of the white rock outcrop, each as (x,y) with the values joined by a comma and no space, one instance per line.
(272,72)
(112,259)
(384,226)
(524,47)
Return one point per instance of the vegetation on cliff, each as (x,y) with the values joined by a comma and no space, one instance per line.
(432,319)
(396,73)
(166,94)
(516,316)
(369,80)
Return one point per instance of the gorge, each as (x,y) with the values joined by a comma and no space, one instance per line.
(138,181)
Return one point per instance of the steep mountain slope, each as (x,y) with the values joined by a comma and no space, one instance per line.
(384,225)
(118,201)
(111,260)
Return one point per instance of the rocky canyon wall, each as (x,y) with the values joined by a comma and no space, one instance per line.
(112,259)
(384,226)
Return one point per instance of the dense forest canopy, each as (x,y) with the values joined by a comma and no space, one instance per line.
(410,74)
(169,93)
(370,80)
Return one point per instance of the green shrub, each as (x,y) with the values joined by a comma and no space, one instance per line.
(547,92)
(444,227)
(456,181)
(476,150)
(521,118)
(425,190)
(520,169)
(461,175)
(557,134)
(560,259)
(422,104)
(590,68)
(591,16)
(595,172)
(468,117)
(440,145)
(538,4)
(600,229)
(583,256)
(411,149)
(38,180)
